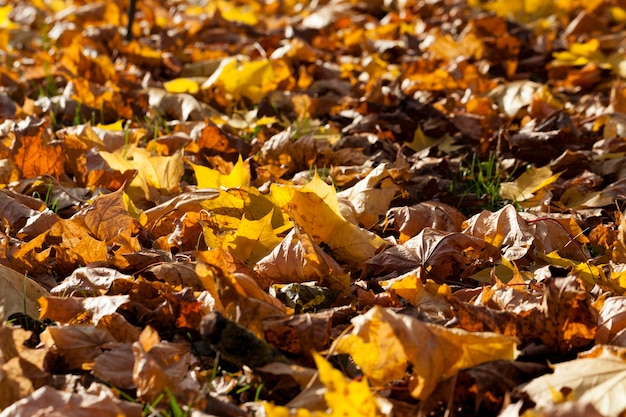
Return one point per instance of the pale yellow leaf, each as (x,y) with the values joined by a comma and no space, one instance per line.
(530,182)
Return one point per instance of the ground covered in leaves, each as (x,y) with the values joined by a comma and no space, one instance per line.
(273,208)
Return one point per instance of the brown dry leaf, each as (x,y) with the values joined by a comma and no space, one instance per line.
(597,381)
(75,245)
(178,275)
(89,281)
(115,366)
(14,343)
(300,334)
(179,106)
(440,255)
(238,295)
(18,294)
(18,379)
(554,232)
(612,322)
(429,297)
(409,221)
(299,259)
(562,318)
(77,345)
(76,309)
(160,365)
(504,229)
(107,219)
(58,403)
(370,197)
(34,153)
(22,368)
(17,209)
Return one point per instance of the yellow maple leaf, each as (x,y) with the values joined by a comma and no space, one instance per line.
(524,11)
(343,397)
(313,208)
(156,173)
(529,183)
(588,272)
(254,239)
(5,22)
(249,79)
(181,85)
(212,178)
(242,14)
(383,344)
(580,54)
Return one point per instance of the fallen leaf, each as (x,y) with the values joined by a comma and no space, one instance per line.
(55,401)
(383,344)
(596,381)
(18,294)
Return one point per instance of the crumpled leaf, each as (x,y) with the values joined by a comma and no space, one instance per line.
(370,197)
(505,229)
(514,96)
(598,381)
(409,221)
(313,209)
(561,318)
(305,298)
(57,402)
(155,174)
(429,297)
(236,293)
(179,106)
(612,322)
(301,333)
(116,366)
(68,309)
(78,345)
(384,343)
(89,281)
(298,259)
(440,255)
(107,219)
(160,365)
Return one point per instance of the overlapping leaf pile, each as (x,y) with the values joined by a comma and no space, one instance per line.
(328,208)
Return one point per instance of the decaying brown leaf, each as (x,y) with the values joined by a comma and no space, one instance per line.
(200,199)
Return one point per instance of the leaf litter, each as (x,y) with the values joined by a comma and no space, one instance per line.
(266,208)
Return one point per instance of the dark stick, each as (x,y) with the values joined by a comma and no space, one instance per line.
(131,18)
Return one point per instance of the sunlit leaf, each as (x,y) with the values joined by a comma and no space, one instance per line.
(254,239)
(247,79)
(211,178)
(383,344)
(529,183)
(181,85)
(324,223)
(19,294)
